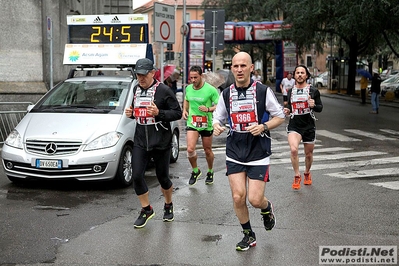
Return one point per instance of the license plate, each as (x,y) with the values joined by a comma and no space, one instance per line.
(55,164)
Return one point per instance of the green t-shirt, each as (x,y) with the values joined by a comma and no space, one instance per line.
(208,96)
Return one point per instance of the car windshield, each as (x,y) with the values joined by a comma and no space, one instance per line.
(85,96)
(393,79)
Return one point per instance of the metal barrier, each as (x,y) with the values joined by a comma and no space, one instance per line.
(10,115)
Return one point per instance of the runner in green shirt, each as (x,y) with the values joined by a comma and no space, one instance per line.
(199,103)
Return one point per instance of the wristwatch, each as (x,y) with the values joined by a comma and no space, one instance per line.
(265,128)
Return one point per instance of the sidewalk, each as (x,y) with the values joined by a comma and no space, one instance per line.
(325,92)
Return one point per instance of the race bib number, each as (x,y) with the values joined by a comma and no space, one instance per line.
(302,105)
(141,112)
(200,121)
(300,108)
(243,117)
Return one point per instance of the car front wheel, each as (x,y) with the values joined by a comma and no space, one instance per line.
(174,153)
(124,173)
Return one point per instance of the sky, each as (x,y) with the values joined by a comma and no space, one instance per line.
(138,3)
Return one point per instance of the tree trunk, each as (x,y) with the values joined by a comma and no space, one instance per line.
(353,50)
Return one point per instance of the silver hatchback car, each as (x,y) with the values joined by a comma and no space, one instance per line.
(78,130)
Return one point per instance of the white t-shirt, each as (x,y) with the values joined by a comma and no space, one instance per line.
(257,78)
(287,84)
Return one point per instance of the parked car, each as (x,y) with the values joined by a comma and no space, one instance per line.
(78,130)
(387,73)
(389,84)
(321,80)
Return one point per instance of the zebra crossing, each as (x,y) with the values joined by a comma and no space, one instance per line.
(333,159)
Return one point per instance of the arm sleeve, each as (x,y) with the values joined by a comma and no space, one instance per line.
(272,104)
(220,114)
(317,100)
(215,96)
(170,110)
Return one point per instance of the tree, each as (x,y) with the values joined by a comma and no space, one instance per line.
(362,27)
(359,24)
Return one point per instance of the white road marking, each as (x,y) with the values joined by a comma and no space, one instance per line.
(279,143)
(366,173)
(335,136)
(391,185)
(338,156)
(372,162)
(278,132)
(369,134)
(287,148)
(316,151)
(390,131)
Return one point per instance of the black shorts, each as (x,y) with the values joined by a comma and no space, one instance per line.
(203,133)
(255,172)
(285,98)
(308,134)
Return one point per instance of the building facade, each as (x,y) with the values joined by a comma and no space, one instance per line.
(27,51)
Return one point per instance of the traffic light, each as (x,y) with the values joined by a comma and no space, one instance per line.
(169,46)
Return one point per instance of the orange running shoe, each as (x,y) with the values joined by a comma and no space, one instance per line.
(297,182)
(308,179)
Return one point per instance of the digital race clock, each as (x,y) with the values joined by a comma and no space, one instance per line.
(118,39)
(96,29)
(132,33)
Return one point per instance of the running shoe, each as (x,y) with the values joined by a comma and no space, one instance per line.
(297,182)
(248,241)
(194,177)
(308,179)
(168,214)
(268,217)
(143,218)
(209,178)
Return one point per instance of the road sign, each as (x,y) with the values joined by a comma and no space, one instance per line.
(164,23)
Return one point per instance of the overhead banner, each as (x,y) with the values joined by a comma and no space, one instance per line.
(99,54)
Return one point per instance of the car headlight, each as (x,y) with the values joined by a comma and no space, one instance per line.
(104,141)
(14,140)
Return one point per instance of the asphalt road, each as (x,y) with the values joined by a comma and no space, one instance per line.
(353,201)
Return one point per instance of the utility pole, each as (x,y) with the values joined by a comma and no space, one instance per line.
(184,27)
(214,30)
(214,33)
